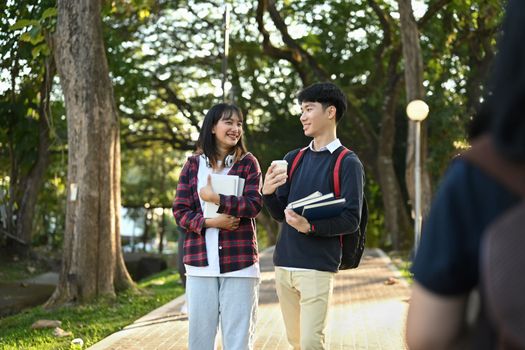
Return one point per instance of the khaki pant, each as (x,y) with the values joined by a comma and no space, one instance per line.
(304,297)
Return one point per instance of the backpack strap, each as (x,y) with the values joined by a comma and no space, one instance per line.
(335,168)
(485,156)
(297,159)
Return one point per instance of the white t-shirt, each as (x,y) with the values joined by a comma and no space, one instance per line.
(212,239)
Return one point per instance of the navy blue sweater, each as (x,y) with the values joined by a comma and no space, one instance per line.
(321,250)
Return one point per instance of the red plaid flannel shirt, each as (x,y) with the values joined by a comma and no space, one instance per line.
(237,249)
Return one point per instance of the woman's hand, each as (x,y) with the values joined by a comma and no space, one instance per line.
(274,178)
(223,221)
(206,193)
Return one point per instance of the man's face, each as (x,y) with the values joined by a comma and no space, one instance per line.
(315,119)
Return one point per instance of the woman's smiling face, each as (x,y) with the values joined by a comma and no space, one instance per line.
(228,131)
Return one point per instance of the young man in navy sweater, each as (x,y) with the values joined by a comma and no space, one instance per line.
(307,254)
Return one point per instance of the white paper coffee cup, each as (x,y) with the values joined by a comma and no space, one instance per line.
(280,164)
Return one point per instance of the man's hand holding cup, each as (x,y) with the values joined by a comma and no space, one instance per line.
(275,176)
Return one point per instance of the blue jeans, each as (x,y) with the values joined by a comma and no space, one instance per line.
(232,300)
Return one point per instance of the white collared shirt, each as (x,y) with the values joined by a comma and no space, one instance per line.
(332,146)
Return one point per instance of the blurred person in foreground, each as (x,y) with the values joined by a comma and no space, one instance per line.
(446,267)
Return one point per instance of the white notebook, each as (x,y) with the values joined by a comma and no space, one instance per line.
(229,185)
(312,198)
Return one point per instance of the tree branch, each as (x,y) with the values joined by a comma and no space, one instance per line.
(385,21)
(292,44)
(147,141)
(171,97)
(172,138)
(272,51)
(431,11)
(155,119)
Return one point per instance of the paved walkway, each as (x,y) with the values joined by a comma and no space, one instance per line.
(368,312)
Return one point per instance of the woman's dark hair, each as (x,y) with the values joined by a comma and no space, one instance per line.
(503,113)
(206,144)
(327,94)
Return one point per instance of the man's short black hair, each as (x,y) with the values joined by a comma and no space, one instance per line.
(327,94)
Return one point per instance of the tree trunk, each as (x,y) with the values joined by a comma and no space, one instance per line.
(414,90)
(145,235)
(397,222)
(161,231)
(30,185)
(92,263)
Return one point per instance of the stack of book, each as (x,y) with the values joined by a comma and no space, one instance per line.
(318,206)
(229,185)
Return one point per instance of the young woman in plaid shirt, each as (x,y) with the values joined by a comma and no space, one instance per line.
(220,254)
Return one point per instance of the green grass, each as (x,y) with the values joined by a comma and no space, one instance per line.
(91,322)
(11,271)
(403,264)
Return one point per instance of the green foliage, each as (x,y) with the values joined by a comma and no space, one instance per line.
(24,64)
(347,40)
(374,231)
(34,30)
(165,61)
(458,45)
(359,49)
(91,322)
(149,176)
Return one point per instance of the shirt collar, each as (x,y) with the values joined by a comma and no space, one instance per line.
(332,146)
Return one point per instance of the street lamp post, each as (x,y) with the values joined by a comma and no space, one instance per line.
(226,49)
(417,111)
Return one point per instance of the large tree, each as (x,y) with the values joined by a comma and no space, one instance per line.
(92,262)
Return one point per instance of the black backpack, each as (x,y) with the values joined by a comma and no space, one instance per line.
(352,244)
(502,245)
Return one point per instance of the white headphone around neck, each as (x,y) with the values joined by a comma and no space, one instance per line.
(228,161)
